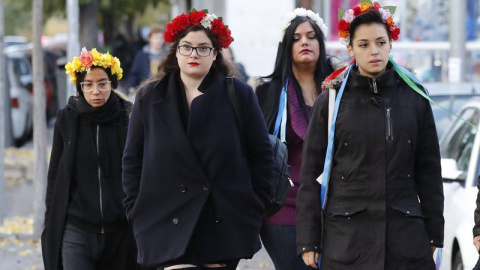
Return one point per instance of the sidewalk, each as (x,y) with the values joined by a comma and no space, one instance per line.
(18,249)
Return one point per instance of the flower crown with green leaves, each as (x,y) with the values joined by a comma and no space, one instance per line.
(93,58)
(199,17)
(346,17)
(302,12)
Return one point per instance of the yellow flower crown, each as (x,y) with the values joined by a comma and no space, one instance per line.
(89,59)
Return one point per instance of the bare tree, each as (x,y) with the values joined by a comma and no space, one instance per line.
(39,121)
(2,117)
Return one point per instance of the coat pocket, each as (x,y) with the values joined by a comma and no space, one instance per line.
(344,234)
(407,234)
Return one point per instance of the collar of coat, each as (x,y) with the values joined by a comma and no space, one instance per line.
(389,78)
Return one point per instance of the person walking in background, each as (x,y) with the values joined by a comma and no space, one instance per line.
(195,186)
(147,60)
(239,69)
(300,67)
(385,193)
(85,222)
(476,228)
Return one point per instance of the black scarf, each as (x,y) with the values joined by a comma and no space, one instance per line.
(107,117)
(108,112)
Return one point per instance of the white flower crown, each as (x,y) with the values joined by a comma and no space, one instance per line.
(301,12)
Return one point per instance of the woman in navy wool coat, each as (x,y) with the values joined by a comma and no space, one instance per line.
(195,187)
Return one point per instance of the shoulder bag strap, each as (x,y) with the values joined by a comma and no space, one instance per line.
(232,97)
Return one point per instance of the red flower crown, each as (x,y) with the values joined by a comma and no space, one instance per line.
(346,17)
(194,17)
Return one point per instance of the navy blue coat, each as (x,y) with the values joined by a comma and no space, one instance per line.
(196,187)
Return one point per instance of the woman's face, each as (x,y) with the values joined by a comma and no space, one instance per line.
(305,46)
(96,87)
(194,65)
(370,48)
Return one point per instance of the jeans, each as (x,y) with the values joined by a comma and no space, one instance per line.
(89,251)
(280,243)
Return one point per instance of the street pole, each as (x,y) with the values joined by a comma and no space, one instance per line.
(456,61)
(4,115)
(73,15)
(39,121)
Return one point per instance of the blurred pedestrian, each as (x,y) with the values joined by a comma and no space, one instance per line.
(195,186)
(147,60)
(239,69)
(300,67)
(380,163)
(476,228)
(85,222)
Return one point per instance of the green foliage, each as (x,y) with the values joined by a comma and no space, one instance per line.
(391,8)
(366,2)
(18,17)
(341,12)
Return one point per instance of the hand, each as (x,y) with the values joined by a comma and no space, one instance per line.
(433,248)
(476,242)
(310,258)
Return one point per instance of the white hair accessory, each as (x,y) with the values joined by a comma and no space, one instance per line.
(301,12)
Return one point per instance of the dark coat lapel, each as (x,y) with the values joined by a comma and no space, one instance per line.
(165,107)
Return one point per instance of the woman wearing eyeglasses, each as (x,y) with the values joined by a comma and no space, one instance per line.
(85,222)
(195,186)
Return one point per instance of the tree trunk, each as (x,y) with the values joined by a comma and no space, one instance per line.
(89,25)
(39,121)
(109,22)
(3,109)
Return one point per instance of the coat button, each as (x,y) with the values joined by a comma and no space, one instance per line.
(346,144)
(408,175)
(183,189)
(175,221)
(206,188)
(218,219)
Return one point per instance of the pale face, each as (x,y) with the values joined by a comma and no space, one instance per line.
(96,98)
(305,47)
(195,66)
(370,48)
(156,41)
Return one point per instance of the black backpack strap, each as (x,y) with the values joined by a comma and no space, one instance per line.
(232,97)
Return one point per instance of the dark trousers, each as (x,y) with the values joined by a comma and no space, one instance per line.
(280,243)
(84,251)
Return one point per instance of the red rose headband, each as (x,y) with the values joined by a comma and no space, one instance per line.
(209,21)
(346,17)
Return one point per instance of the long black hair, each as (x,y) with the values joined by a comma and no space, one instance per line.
(283,69)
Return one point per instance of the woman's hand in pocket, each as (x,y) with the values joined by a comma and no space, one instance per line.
(310,258)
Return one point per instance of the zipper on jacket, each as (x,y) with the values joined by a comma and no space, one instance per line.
(374,82)
(100,179)
(388,116)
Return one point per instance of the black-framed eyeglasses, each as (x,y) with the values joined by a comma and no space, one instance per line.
(102,86)
(202,51)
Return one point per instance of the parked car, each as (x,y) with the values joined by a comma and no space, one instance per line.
(20,108)
(460,149)
(451,96)
(15,40)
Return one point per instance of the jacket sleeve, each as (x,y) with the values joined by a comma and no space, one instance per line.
(134,78)
(309,212)
(133,156)
(55,157)
(476,227)
(257,144)
(428,177)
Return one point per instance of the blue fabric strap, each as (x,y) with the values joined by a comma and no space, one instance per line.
(281,120)
(329,154)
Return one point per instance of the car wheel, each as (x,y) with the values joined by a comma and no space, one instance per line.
(457,262)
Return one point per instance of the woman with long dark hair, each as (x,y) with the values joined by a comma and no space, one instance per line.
(195,186)
(300,67)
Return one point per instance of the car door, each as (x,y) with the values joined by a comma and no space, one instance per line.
(460,149)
